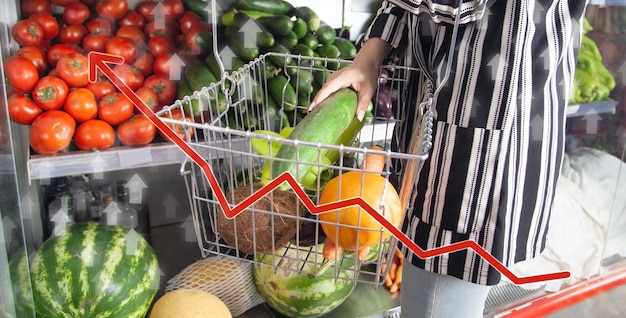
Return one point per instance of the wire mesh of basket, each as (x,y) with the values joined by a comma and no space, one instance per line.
(273,224)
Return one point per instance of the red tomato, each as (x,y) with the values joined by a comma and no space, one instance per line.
(132,18)
(51,132)
(36,55)
(101,87)
(94,134)
(180,130)
(173,9)
(29,7)
(149,97)
(72,34)
(81,104)
(144,64)
(57,51)
(146,9)
(131,32)
(112,9)
(130,75)
(21,73)
(123,47)
(170,28)
(196,35)
(100,26)
(95,42)
(48,23)
(73,69)
(161,45)
(63,3)
(27,32)
(75,13)
(115,108)
(187,20)
(50,92)
(22,109)
(163,86)
(136,131)
(161,65)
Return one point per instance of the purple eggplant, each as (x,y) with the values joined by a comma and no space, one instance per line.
(384,101)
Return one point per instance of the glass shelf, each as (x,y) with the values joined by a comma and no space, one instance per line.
(591,109)
(607,2)
(158,154)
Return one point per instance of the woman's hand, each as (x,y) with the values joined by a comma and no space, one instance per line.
(361,75)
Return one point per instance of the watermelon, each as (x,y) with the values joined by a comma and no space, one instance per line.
(293,288)
(94,270)
(20,283)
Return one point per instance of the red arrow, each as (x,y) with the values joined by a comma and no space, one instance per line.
(97,61)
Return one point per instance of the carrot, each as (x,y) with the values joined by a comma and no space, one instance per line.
(330,250)
(374,162)
(393,280)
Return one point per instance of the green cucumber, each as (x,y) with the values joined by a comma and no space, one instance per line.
(304,59)
(328,51)
(347,49)
(235,64)
(302,49)
(198,75)
(332,53)
(300,28)
(310,40)
(282,92)
(198,6)
(245,51)
(268,6)
(321,75)
(282,58)
(326,34)
(332,122)
(303,81)
(279,25)
(194,107)
(264,38)
(311,18)
(289,40)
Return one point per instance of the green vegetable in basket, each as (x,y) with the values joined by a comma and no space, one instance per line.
(332,122)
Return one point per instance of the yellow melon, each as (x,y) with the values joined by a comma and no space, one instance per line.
(189,303)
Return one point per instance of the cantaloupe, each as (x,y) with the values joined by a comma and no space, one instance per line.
(189,303)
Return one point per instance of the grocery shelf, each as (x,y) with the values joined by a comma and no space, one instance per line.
(98,162)
(591,109)
(158,154)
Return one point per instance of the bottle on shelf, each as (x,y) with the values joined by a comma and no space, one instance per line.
(104,196)
(119,212)
(61,209)
(82,196)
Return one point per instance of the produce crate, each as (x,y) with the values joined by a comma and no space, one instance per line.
(224,138)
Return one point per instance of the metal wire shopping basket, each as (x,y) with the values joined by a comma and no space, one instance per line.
(223,136)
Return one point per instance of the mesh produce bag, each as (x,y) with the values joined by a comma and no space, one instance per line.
(229,280)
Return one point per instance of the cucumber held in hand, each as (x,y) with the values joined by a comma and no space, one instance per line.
(332,122)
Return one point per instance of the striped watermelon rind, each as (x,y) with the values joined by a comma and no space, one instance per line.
(94,270)
(292,290)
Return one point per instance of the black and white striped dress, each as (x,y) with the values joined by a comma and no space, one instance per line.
(499,130)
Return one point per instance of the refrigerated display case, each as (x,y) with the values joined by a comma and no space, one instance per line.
(585,234)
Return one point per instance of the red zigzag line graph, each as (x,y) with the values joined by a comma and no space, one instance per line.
(97,61)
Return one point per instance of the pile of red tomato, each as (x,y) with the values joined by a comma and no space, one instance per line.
(48,75)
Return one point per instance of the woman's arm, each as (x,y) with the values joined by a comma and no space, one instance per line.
(384,33)
(362,75)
